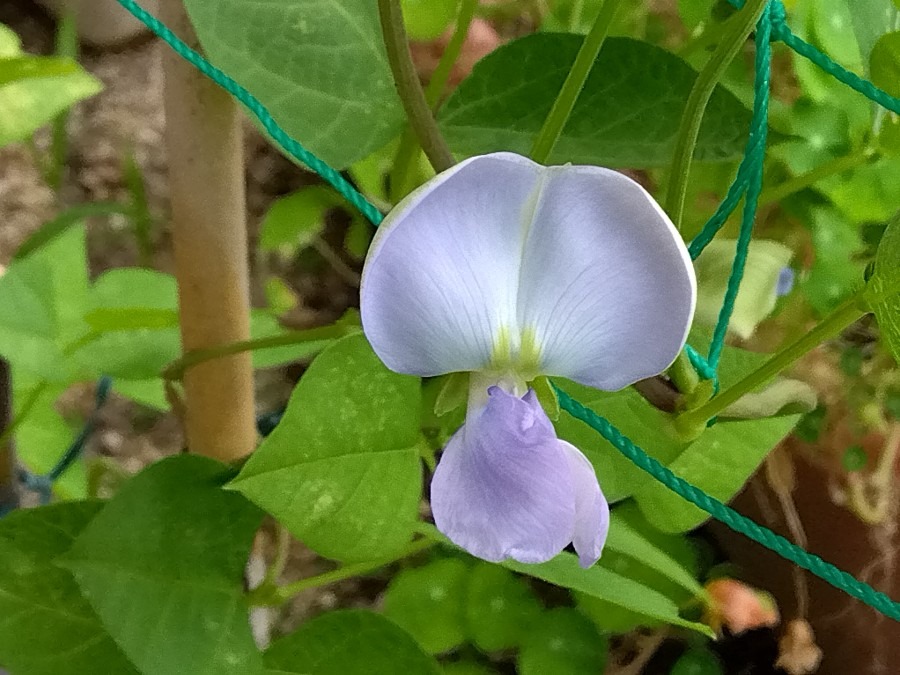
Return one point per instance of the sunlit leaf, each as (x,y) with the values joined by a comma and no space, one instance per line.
(341,470)
(319,66)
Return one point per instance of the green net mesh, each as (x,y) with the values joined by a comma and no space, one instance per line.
(747,185)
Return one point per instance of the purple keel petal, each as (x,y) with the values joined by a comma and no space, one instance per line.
(504,487)
(591,508)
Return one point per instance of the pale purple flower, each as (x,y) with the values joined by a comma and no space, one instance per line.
(513,270)
(785,283)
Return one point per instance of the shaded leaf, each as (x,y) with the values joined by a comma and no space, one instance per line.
(429,603)
(162,565)
(46,626)
(348,642)
(563,642)
(500,608)
(883,288)
(627,115)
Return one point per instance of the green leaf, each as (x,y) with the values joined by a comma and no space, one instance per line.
(719,463)
(625,539)
(162,565)
(650,428)
(429,603)
(43,436)
(137,310)
(10,44)
(298,219)
(466,668)
(885,63)
(348,642)
(25,67)
(868,193)
(883,288)
(627,115)
(151,393)
(757,295)
(319,66)
(837,270)
(341,470)
(695,13)
(500,608)
(42,298)
(453,394)
(665,563)
(65,220)
(427,19)
(46,626)
(871,18)
(27,104)
(563,642)
(605,584)
(697,661)
(833,26)
(113,320)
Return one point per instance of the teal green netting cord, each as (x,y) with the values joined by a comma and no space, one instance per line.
(748,181)
(725,514)
(294,148)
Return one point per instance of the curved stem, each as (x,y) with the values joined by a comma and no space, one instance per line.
(408,86)
(409,146)
(441,74)
(269,596)
(177,369)
(837,321)
(732,41)
(835,166)
(568,95)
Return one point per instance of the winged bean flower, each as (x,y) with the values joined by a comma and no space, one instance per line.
(511,270)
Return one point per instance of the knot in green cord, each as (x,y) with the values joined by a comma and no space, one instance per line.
(778,19)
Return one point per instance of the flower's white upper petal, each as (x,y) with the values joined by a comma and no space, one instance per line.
(607,284)
(440,278)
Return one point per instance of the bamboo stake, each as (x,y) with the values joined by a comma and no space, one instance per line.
(206,176)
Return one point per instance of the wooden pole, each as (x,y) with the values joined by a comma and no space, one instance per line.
(206,178)
(9,493)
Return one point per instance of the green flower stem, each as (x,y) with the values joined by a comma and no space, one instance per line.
(849,312)
(66,46)
(282,549)
(568,95)
(683,374)
(732,41)
(409,146)
(778,192)
(441,74)
(176,369)
(408,86)
(269,596)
